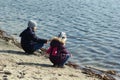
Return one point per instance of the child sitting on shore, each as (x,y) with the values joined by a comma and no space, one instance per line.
(29,41)
(58,54)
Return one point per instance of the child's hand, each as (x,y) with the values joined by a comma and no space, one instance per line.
(50,40)
(47,42)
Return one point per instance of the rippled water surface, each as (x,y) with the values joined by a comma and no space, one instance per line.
(92,26)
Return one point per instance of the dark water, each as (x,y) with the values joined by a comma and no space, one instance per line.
(92,26)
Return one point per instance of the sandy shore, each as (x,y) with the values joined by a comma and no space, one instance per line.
(15,65)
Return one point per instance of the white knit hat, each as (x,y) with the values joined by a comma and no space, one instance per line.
(62,35)
(32,23)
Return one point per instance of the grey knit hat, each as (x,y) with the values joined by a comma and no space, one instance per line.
(32,24)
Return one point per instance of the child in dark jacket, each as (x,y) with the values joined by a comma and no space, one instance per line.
(29,41)
(58,54)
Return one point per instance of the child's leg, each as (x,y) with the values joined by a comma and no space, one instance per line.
(64,61)
(38,46)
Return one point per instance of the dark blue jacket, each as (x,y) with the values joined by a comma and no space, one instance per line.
(29,39)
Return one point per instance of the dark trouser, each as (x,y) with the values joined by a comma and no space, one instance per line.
(63,61)
(31,48)
(59,61)
(37,46)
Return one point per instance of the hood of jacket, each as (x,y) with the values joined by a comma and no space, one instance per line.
(56,42)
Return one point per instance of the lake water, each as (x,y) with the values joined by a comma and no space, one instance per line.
(92,26)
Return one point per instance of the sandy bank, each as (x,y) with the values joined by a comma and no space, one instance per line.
(14,65)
